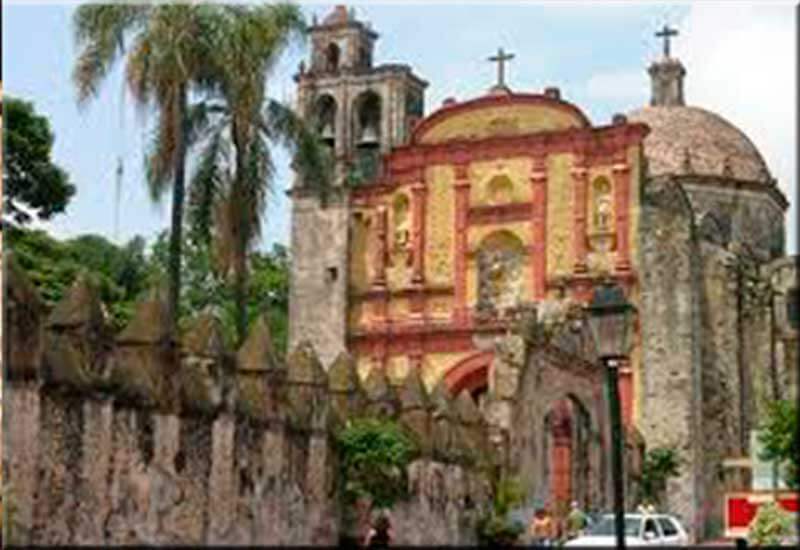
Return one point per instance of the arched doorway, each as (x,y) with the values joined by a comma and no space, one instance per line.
(566,442)
(472,375)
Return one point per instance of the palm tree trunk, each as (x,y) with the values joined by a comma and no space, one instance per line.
(178,195)
(240,243)
(240,295)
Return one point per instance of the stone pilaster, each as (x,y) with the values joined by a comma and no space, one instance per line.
(579,181)
(462,187)
(538,258)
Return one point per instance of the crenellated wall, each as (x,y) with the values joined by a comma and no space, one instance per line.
(137,438)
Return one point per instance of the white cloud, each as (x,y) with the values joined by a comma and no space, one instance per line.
(618,85)
(741,63)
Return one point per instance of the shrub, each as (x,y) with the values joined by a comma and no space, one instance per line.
(771,525)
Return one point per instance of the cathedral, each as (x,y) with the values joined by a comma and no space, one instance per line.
(443,225)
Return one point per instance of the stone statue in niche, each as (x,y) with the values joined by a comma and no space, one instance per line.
(601,237)
(603,214)
(499,279)
(401,236)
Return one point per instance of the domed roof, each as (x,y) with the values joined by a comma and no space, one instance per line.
(688,140)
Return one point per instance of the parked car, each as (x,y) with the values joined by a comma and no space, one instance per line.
(640,530)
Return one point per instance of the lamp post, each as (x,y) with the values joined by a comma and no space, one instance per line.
(611,324)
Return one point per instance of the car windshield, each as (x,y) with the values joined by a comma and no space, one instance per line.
(605,527)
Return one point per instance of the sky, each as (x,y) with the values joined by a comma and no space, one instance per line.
(740,59)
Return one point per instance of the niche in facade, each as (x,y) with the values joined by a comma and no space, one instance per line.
(500,263)
(401,230)
(500,190)
(601,231)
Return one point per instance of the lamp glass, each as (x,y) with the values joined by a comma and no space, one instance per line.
(611,322)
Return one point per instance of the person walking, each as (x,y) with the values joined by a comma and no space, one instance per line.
(381,534)
(542,528)
(576,521)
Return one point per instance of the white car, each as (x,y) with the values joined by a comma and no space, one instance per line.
(640,530)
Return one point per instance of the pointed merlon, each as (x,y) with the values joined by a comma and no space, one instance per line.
(79,307)
(412,392)
(343,375)
(466,409)
(203,337)
(377,385)
(304,366)
(257,353)
(150,323)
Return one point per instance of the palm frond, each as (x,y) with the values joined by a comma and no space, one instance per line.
(312,159)
(100,32)
(207,185)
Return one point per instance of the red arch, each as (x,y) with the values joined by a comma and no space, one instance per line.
(470,373)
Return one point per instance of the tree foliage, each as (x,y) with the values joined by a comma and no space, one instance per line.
(660,464)
(771,526)
(124,274)
(495,526)
(33,184)
(206,289)
(781,440)
(120,272)
(374,456)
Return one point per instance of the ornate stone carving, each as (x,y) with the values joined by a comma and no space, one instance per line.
(500,273)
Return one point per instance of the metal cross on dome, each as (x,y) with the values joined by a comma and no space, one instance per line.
(501,59)
(666,33)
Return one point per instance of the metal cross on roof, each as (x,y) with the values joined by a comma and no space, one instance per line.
(501,59)
(666,33)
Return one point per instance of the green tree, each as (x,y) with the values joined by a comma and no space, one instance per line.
(660,464)
(235,174)
(374,455)
(780,437)
(204,288)
(167,48)
(33,183)
(121,273)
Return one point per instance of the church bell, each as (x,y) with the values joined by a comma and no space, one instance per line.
(327,132)
(369,135)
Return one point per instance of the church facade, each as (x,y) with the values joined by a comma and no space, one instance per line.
(442,228)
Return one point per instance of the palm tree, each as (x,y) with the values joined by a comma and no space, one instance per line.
(167,47)
(235,174)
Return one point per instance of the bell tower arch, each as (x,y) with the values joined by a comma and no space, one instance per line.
(360,111)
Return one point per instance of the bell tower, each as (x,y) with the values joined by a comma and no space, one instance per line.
(360,111)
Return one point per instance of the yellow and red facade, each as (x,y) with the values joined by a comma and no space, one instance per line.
(522,171)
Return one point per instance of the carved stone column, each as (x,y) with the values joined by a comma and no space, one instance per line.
(419,192)
(462,187)
(622,183)
(380,248)
(579,179)
(538,258)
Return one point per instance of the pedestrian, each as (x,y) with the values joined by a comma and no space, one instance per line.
(541,528)
(380,536)
(576,521)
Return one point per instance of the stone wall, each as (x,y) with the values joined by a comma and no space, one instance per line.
(319,272)
(671,382)
(136,438)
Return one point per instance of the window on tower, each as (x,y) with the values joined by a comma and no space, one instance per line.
(332,55)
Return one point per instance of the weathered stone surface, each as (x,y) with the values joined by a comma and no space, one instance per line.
(80,307)
(381,395)
(256,354)
(24,322)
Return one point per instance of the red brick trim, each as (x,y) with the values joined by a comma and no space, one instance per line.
(502,213)
(469,374)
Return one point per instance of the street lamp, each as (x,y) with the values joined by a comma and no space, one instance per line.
(611,324)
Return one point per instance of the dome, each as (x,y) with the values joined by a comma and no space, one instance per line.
(689,140)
